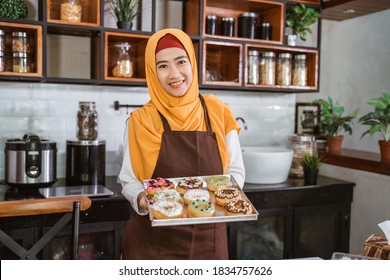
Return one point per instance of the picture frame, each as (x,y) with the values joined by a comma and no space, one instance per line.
(307,118)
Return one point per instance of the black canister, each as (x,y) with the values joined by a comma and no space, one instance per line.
(265,31)
(247,25)
(211,24)
(85,163)
(227,26)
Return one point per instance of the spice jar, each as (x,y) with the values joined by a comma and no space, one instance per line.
(267,68)
(87,121)
(19,42)
(124,62)
(300,144)
(227,26)
(247,25)
(283,69)
(299,70)
(2,40)
(20,62)
(2,61)
(211,24)
(253,67)
(71,10)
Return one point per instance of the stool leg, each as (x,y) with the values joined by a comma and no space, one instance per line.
(75,228)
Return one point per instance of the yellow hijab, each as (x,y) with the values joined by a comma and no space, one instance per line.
(183,113)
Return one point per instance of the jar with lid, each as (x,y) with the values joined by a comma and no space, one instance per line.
(265,31)
(253,67)
(2,61)
(20,62)
(71,10)
(123,64)
(227,26)
(283,69)
(299,70)
(87,121)
(19,42)
(211,24)
(300,144)
(247,23)
(267,68)
(2,40)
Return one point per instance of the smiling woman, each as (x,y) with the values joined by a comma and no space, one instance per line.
(178,133)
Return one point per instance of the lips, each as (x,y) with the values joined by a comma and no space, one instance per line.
(176,84)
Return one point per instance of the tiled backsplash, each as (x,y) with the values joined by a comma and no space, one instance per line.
(49,110)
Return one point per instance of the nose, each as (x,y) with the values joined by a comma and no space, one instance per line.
(243,122)
(174,72)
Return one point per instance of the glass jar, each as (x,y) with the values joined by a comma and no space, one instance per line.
(20,62)
(123,65)
(71,10)
(211,24)
(87,121)
(283,69)
(299,70)
(300,144)
(19,42)
(2,40)
(253,67)
(227,26)
(2,61)
(267,68)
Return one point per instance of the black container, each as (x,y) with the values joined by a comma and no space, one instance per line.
(265,31)
(85,163)
(211,24)
(247,23)
(227,26)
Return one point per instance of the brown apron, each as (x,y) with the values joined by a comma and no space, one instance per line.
(182,153)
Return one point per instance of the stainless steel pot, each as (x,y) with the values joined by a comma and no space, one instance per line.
(30,162)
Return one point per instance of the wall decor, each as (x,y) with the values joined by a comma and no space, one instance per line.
(307,117)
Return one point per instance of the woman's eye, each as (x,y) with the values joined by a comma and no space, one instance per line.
(162,66)
(183,61)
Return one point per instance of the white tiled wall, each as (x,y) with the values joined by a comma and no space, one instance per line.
(49,110)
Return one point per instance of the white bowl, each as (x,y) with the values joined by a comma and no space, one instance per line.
(266,165)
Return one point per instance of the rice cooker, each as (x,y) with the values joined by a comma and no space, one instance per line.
(30,162)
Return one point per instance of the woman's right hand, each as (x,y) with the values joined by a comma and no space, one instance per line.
(142,201)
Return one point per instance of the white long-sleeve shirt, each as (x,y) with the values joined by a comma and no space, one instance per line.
(131,186)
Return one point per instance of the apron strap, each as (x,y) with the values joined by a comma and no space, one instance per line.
(206,117)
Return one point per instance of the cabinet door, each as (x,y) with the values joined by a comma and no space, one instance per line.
(97,241)
(321,230)
(264,239)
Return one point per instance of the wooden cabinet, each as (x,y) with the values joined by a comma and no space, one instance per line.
(224,59)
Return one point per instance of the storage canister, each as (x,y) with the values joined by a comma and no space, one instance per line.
(265,31)
(211,24)
(227,26)
(299,70)
(71,10)
(283,69)
(123,65)
(2,61)
(300,144)
(19,42)
(247,25)
(253,67)
(2,40)
(87,121)
(267,68)
(20,62)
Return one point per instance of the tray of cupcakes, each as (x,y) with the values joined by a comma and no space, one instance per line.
(197,200)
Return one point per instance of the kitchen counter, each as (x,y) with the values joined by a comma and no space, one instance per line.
(110,214)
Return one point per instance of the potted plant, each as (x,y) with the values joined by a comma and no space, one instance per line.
(124,12)
(333,122)
(299,17)
(378,121)
(13,9)
(311,164)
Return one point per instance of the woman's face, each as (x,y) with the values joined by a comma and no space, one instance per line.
(174,71)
